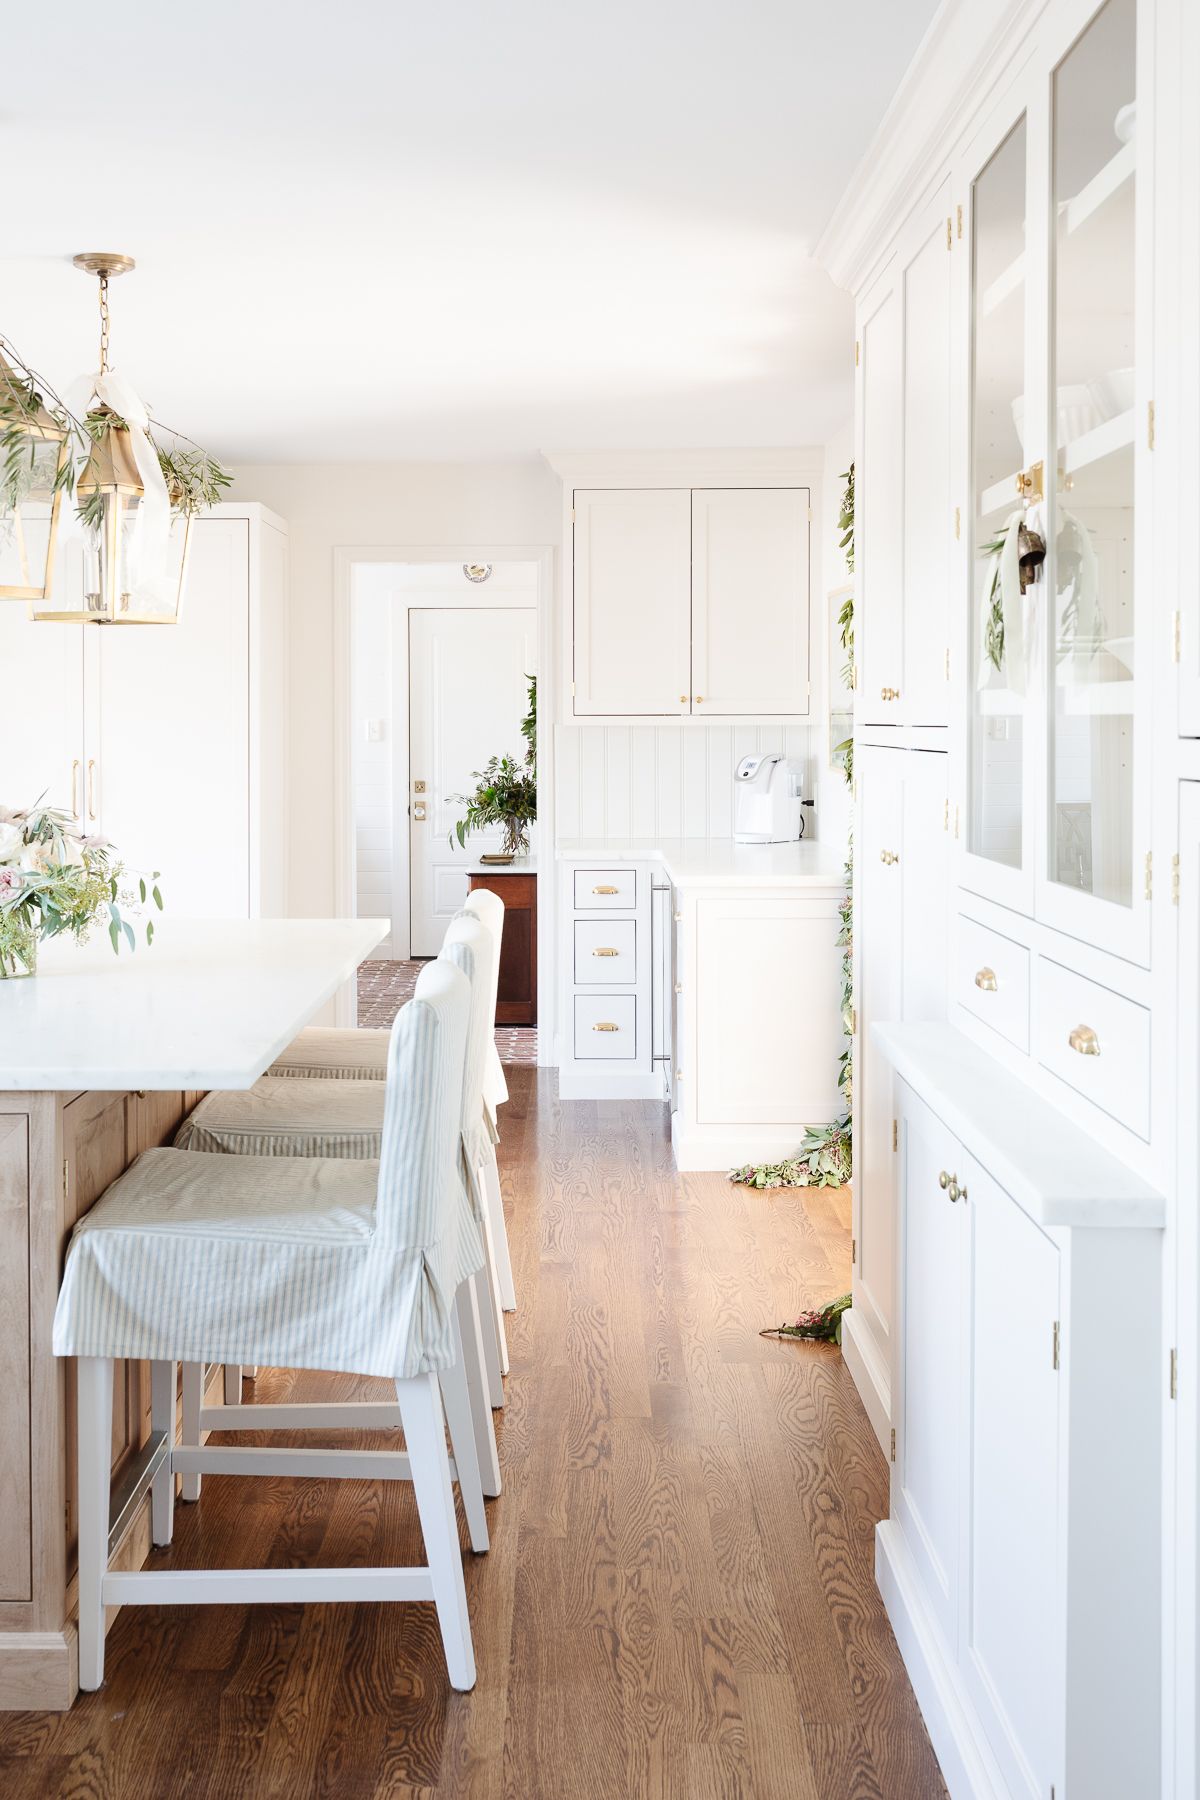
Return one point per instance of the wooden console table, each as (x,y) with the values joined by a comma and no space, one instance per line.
(516,1002)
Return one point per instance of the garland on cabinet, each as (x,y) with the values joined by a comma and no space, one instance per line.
(826,1157)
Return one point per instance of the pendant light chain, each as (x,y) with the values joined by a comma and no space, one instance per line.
(104,324)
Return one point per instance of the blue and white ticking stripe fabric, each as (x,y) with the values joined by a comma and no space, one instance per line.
(337,1052)
(293,1262)
(488,908)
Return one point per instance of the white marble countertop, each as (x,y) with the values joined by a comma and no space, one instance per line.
(1054,1171)
(719,862)
(209,1005)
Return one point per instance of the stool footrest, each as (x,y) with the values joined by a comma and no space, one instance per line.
(242,1587)
(321,1465)
(349,1415)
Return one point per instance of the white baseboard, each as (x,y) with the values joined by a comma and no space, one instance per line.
(576,1082)
(719,1148)
(869,1372)
(968,1767)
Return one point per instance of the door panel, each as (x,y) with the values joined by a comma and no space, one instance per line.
(925,877)
(927,334)
(168,760)
(927,1484)
(878,946)
(750,600)
(468,669)
(1014,1289)
(632,601)
(879,628)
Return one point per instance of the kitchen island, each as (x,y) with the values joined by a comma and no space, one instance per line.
(709,974)
(100,1058)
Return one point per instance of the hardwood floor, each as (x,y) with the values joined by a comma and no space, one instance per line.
(678,1601)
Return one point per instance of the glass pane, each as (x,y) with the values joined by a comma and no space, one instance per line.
(997,457)
(1092,432)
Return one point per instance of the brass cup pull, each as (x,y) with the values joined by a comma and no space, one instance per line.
(944,1179)
(1084,1039)
(986,979)
(605,890)
(606,952)
(605,1025)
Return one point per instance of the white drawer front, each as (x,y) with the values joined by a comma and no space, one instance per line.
(991,979)
(606,951)
(605,1028)
(613,890)
(1097,1041)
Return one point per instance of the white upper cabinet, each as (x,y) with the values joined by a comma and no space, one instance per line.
(750,555)
(1057,778)
(633,601)
(691,601)
(878,503)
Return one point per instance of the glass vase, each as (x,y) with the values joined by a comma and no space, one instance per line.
(18,949)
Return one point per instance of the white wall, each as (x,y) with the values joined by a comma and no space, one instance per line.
(381,504)
(371,758)
(832,791)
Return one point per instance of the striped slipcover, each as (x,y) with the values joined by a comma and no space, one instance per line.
(294,1262)
(334,1052)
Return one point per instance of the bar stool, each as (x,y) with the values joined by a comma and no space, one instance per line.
(303,1263)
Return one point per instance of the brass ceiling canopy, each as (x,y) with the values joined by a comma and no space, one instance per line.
(105,263)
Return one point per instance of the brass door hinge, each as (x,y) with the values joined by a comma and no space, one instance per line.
(1149,424)
(572,515)
(856,353)
(1176,636)
(957,522)
(893,1445)
(1149,874)
(1175,879)
(1173,1383)
(958,214)
(1057,1343)
(853,1250)
(946,816)
(895,1134)
(949,233)
(956,821)
(947,662)
(66,1178)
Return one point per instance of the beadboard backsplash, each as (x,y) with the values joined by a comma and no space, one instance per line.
(660,780)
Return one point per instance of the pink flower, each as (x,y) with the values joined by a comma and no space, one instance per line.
(10,881)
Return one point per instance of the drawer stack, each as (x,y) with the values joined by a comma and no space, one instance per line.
(606,1047)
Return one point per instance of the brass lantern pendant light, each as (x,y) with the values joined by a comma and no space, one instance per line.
(34,463)
(135,550)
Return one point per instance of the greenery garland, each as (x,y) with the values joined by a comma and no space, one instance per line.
(826,1157)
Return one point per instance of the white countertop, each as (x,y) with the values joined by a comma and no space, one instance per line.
(719,862)
(209,1005)
(1054,1171)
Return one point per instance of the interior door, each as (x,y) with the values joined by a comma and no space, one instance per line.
(632,601)
(468,670)
(167,769)
(750,601)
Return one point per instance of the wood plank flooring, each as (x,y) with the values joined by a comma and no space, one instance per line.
(678,1603)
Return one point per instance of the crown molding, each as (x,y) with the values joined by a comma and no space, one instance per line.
(687,468)
(966,51)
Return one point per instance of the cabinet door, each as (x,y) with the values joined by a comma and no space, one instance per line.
(925,880)
(167,775)
(927,1374)
(925,624)
(1012,1651)
(632,601)
(750,600)
(41,718)
(879,487)
(878,940)
(1183,1542)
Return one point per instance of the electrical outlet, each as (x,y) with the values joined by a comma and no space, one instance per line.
(376,729)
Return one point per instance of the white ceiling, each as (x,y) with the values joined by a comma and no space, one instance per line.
(453,228)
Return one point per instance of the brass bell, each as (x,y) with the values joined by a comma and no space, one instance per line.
(1031,554)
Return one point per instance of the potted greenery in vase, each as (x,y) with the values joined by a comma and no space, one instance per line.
(505,793)
(56,879)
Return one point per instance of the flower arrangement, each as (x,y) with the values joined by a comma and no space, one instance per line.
(55,879)
(505,792)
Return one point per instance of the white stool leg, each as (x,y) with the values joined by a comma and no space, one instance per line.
(467,1305)
(193,1388)
(162,1418)
(495,1348)
(457,1402)
(425,1436)
(94,1425)
(495,1207)
(233,1384)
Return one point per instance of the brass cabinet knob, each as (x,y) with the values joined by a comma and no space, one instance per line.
(986,979)
(606,1025)
(605,951)
(683,699)
(954,1190)
(889,693)
(699,699)
(889,857)
(1084,1039)
(944,1179)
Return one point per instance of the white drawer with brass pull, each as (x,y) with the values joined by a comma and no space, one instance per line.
(605,1027)
(1095,1040)
(606,951)
(991,980)
(605,890)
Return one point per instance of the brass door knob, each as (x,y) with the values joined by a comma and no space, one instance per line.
(1084,1040)
(986,979)
(418,809)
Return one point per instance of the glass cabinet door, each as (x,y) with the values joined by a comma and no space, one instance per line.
(999,423)
(1089,571)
